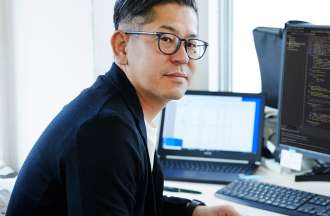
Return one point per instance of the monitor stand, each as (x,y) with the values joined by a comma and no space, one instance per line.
(319,173)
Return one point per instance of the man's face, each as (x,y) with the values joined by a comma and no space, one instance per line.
(155,75)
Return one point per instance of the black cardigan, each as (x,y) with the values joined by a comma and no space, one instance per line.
(93,159)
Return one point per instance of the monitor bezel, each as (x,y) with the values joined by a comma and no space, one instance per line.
(230,155)
(306,152)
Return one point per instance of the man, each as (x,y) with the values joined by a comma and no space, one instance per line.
(96,157)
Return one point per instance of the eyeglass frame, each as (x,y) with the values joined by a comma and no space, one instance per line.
(159,34)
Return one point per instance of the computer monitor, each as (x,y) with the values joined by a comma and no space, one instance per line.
(304,105)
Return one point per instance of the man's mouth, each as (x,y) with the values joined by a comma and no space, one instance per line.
(177,74)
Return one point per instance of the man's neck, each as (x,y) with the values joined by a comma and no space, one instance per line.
(150,106)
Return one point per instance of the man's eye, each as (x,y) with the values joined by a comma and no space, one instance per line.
(191,45)
(167,39)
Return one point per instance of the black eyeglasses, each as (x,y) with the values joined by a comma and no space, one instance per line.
(169,44)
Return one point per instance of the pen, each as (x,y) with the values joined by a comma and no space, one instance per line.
(175,189)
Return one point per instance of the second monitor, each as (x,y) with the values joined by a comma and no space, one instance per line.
(304,121)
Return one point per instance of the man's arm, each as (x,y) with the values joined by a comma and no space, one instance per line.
(185,207)
(175,206)
(224,210)
(102,171)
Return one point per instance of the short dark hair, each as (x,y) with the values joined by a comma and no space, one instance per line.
(127,10)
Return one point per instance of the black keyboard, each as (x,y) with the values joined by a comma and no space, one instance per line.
(275,198)
(207,166)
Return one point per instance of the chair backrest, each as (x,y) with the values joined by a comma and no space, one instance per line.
(268,42)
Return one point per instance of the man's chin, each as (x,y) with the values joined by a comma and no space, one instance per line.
(176,95)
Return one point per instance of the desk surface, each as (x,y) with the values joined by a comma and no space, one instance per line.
(269,172)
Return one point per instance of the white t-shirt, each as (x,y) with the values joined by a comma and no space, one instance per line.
(151,141)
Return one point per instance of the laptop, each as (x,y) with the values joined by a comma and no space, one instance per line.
(212,137)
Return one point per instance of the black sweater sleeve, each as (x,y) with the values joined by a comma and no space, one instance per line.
(104,169)
(173,206)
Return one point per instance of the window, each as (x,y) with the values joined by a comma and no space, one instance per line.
(232,59)
(248,15)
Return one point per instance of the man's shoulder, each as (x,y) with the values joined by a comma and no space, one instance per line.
(108,120)
(115,108)
(110,134)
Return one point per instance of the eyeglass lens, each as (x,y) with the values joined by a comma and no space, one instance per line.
(169,44)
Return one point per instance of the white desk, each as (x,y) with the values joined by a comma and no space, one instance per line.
(270,174)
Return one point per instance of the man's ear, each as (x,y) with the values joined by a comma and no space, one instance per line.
(119,42)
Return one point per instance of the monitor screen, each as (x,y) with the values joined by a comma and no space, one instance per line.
(304,117)
(213,122)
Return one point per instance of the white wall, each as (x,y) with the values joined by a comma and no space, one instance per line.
(2,83)
(9,121)
(102,31)
(53,58)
